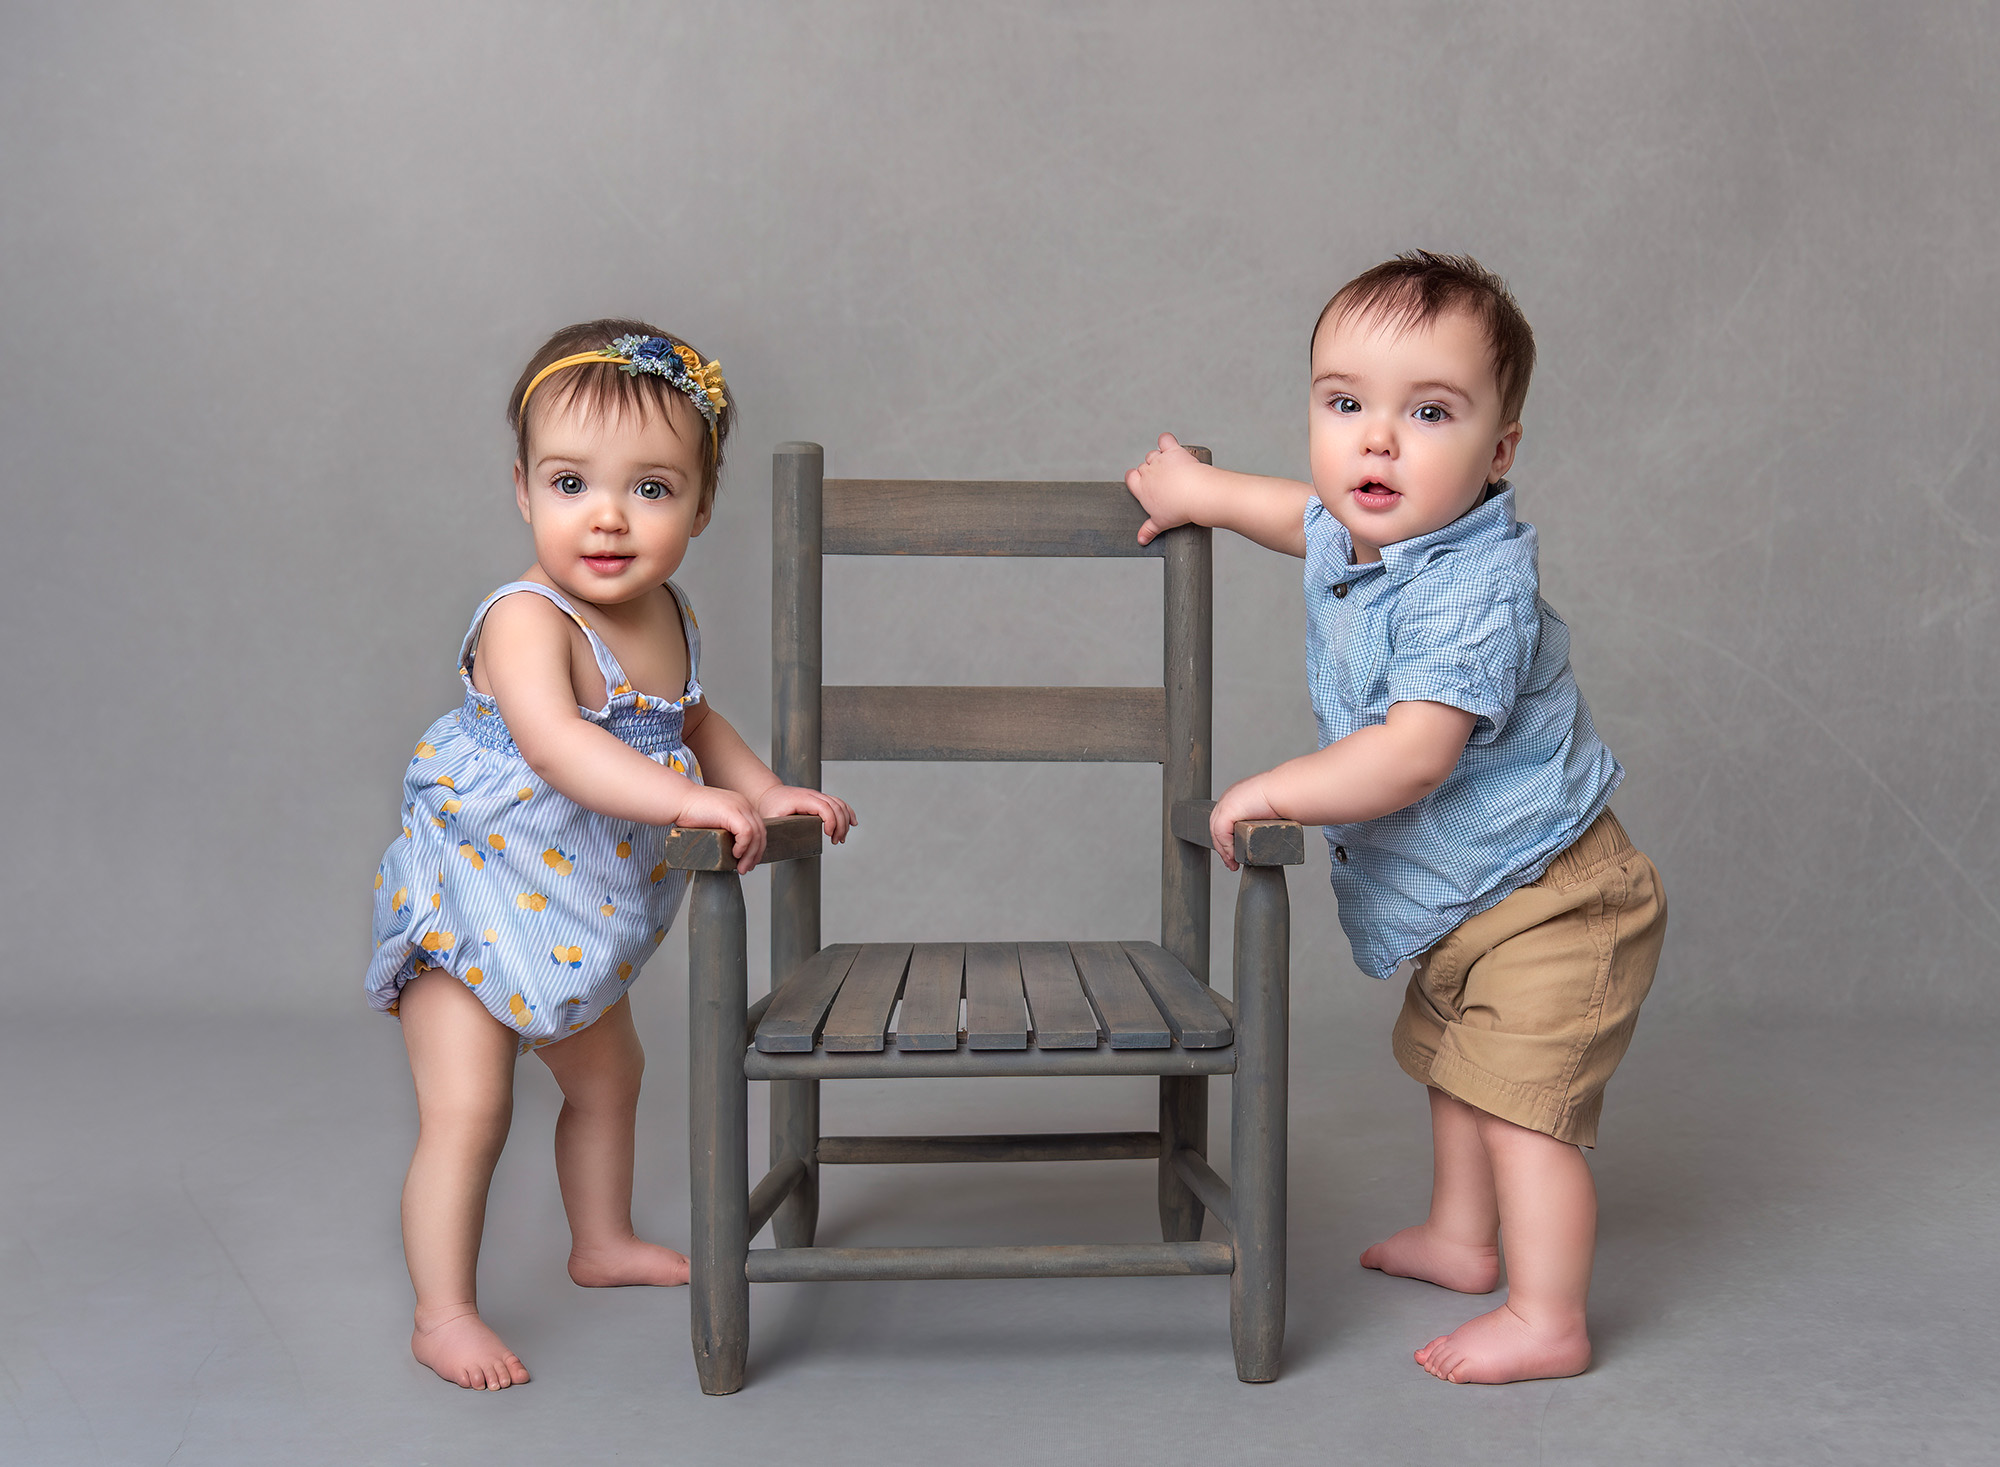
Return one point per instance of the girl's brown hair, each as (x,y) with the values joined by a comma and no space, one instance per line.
(600,388)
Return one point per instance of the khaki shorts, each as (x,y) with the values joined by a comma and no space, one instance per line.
(1525,1010)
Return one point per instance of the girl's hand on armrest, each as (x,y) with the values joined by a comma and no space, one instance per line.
(710,807)
(835,814)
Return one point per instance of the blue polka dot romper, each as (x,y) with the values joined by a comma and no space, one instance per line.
(543,909)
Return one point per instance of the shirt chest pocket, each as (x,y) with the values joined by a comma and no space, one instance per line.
(1360,661)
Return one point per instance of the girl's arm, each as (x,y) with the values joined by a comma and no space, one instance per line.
(727,761)
(524,648)
(1371,772)
(1176,488)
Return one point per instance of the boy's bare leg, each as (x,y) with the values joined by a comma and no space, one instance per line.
(1548,1223)
(599,1069)
(1457,1246)
(462,1060)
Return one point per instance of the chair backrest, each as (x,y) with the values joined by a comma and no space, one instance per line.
(1170,725)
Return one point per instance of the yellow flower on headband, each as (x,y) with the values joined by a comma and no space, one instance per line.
(708,374)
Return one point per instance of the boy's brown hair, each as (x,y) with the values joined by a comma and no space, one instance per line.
(607,389)
(1418,286)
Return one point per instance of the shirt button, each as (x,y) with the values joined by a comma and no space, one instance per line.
(1340,591)
(1340,854)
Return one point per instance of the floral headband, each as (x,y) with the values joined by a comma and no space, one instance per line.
(676,361)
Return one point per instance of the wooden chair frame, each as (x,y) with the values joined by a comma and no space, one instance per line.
(1170,725)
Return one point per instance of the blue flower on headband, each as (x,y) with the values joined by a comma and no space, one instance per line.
(681,365)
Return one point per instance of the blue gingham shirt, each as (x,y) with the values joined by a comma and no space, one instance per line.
(1453,617)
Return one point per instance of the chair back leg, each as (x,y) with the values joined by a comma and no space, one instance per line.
(795,1103)
(718,1131)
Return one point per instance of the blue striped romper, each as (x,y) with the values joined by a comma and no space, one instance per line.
(543,909)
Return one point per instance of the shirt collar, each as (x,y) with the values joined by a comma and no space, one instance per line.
(1490,521)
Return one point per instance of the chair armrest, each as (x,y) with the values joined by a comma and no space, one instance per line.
(697,848)
(1258,842)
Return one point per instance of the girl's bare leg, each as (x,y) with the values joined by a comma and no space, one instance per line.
(462,1059)
(1457,1246)
(1548,1223)
(598,1069)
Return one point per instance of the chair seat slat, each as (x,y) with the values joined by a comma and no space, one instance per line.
(1184,1000)
(1121,1000)
(996,1012)
(976,517)
(792,1021)
(860,1015)
(930,997)
(1074,724)
(1062,1016)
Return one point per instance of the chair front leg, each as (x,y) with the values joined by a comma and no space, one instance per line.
(718,1131)
(1257,1121)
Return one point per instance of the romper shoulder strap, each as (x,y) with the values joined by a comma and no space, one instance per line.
(691,629)
(614,675)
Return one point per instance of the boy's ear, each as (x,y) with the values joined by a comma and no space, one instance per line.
(1503,454)
(521,490)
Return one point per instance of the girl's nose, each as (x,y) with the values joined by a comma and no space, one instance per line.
(606,513)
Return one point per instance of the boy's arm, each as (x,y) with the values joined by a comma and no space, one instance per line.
(1176,488)
(1371,772)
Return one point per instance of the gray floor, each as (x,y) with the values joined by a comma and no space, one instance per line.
(199,1264)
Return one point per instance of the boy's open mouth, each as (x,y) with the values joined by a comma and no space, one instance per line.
(1375,495)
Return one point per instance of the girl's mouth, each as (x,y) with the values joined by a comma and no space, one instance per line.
(1375,495)
(607,565)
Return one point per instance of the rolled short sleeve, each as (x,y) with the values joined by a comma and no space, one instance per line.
(1463,641)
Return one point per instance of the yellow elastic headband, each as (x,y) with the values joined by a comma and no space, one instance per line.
(701,382)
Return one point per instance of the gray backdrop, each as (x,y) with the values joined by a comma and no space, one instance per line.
(267,273)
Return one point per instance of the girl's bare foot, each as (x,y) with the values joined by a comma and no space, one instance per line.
(1502,1346)
(634,1261)
(1418,1253)
(462,1350)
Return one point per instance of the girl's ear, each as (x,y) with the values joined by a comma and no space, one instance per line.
(702,515)
(1503,454)
(521,491)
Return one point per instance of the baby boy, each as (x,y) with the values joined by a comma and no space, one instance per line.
(1464,791)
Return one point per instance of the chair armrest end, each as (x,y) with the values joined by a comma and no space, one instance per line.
(1258,842)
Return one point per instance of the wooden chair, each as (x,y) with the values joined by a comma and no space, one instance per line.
(1091,1008)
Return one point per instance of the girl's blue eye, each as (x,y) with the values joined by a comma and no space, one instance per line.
(568,484)
(1430,412)
(1342,403)
(653,489)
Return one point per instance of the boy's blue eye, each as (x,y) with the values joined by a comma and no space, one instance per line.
(1342,403)
(653,489)
(1430,412)
(568,484)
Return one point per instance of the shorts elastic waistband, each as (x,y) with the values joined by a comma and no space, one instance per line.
(1603,843)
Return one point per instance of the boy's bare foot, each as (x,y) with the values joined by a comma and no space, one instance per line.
(1502,1346)
(634,1261)
(1415,1253)
(462,1350)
